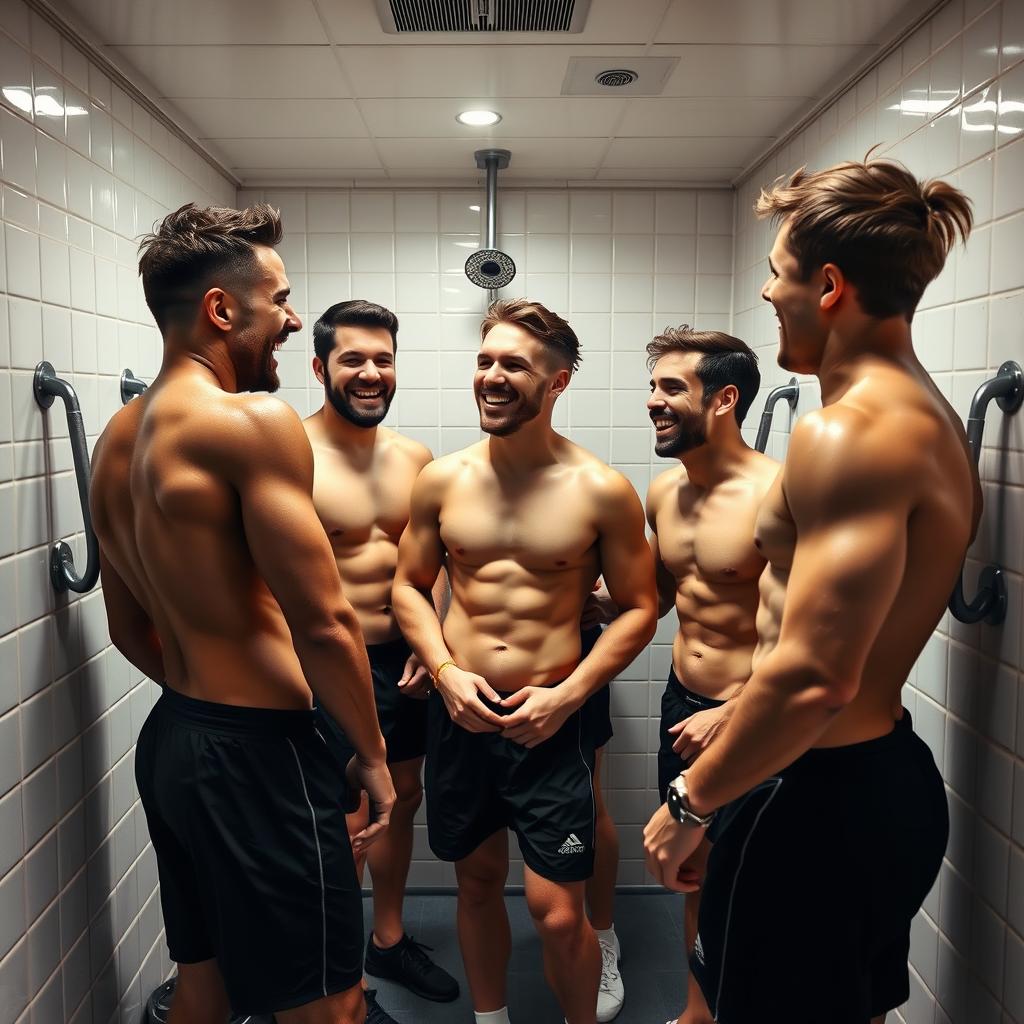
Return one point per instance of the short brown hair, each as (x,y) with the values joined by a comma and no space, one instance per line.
(539,322)
(725,360)
(889,233)
(193,246)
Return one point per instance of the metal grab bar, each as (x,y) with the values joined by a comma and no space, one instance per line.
(790,392)
(131,386)
(46,386)
(989,604)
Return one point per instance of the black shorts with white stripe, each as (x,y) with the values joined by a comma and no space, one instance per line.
(478,783)
(245,808)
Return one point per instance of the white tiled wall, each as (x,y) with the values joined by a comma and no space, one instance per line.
(83,169)
(619,265)
(950,103)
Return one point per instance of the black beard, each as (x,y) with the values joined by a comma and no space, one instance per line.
(526,409)
(344,408)
(687,436)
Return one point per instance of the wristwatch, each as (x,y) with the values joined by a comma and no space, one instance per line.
(678,801)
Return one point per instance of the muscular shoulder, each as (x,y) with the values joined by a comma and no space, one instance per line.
(258,430)
(664,489)
(437,475)
(408,449)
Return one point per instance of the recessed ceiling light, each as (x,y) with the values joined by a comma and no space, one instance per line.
(478,118)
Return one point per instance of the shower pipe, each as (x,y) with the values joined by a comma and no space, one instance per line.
(989,604)
(131,386)
(790,392)
(47,386)
(492,160)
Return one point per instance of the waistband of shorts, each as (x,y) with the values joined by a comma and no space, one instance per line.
(389,647)
(698,700)
(233,718)
(835,758)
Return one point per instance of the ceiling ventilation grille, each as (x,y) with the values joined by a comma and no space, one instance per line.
(483,15)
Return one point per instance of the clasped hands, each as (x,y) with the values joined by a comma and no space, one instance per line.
(539,711)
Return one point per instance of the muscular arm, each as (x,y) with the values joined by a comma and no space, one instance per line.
(271,466)
(131,629)
(665,581)
(850,497)
(628,571)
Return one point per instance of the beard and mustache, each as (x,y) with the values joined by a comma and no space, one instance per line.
(349,406)
(688,433)
(502,420)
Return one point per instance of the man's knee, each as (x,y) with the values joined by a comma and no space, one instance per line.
(348,1007)
(559,924)
(199,995)
(408,786)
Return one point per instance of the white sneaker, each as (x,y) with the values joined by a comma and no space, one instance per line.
(611,994)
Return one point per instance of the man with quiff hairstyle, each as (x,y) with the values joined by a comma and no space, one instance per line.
(816,873)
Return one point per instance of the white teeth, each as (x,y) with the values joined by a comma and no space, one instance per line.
(496,400)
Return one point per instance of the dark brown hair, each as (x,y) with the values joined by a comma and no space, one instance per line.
(725,360)
(889,233)
(195,248)
(352,313)
(539,322)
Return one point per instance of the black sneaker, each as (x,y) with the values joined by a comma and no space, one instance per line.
(374,1013)
(406,963)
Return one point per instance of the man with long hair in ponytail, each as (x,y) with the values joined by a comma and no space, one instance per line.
(830,815)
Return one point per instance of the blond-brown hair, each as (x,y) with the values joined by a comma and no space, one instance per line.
(539,322)
(195,248)
(889,233)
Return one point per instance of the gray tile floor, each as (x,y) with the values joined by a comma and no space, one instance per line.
(650,930)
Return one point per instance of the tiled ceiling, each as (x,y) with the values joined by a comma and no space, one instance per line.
(315,92)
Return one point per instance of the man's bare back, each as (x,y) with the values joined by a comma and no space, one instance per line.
(705,540)
(362,499)
(898,420)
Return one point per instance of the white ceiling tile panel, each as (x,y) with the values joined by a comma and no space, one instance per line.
(696,153)
(527,154)
(259,118)
(238,71)
(677,116)
(299,153)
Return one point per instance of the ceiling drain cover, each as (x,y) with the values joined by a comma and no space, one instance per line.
(490,268)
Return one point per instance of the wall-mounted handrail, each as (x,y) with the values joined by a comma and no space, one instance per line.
(790,392)
(989,604)
(47,385)
(131,386)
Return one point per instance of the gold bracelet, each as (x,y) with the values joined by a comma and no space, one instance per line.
(440,668)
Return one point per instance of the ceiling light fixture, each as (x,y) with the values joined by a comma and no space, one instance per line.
(478,118)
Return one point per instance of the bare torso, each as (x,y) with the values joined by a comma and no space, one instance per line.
(522,557)
(706,541)
(171,527)
(907,414)
(362,498)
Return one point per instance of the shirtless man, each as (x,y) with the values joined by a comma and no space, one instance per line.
(815,876)
(363,477)
(219,581)
(702,520)
(525,522)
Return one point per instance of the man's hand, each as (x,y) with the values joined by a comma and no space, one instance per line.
(461,691)
(667,845)
(415,681)
(540,713)
(599,609)
(696,733)
(376,780)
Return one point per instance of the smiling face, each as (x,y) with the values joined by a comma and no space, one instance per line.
(676,405)
(515,378)
(797,305)
(359,377)
(266,318)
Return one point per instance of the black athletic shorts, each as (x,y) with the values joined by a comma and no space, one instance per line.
(598,704)
(812,883)
(403,720)
(478,783)
(677,704)
(245,811)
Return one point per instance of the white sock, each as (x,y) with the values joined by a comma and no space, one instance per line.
(492,1016)
(606,935)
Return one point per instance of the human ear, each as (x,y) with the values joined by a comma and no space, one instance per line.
(833,285)
(218,309)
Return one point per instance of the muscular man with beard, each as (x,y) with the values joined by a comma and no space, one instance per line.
(818,870)
(219,581)
(363,478)
(702,520)
(524,521)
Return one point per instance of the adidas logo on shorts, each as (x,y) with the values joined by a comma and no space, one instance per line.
(571,845)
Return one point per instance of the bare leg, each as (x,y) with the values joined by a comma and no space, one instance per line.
(348,1007)
(390,856)
(696,1011)
(484,933)
(355,823)
(601,884)
(572,960)
(200,996)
